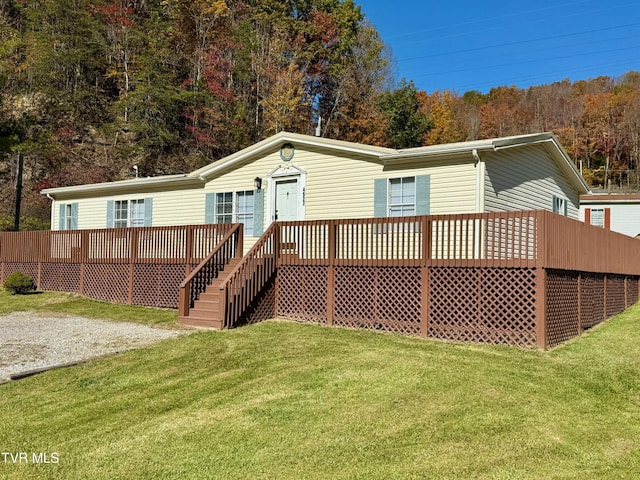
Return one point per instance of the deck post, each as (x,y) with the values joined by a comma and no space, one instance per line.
(580,329)
(240,242)
(188,253)
(183,300)
(331,271)
(541,281)
(425,276)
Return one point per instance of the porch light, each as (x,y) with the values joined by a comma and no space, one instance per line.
(257,182)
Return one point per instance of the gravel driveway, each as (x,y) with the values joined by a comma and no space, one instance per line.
(32,342)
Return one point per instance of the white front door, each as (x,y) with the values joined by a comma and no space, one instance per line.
(286,200)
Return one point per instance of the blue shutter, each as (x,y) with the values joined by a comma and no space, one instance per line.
(258,212)
(148,212)
(566,201)
(74,216)
(61,225)
(380,198)
(554,204)
(210,208)
(423,194)
(110,210)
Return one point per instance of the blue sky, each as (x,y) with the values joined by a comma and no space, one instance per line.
(463,45)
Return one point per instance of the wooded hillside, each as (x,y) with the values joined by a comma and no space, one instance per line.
(88,89)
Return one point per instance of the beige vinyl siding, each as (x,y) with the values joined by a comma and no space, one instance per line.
(525,179)
(170,207)
(342,187)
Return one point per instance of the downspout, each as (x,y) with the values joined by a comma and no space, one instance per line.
(52,209)
(479,164)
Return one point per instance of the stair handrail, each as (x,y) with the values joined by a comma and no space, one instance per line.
(245,281)
(193,285)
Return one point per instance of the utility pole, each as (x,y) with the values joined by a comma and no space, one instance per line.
(16,223)
(21,137)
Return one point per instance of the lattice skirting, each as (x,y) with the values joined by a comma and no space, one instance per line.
(153,285)
(600,297)
(60,277)
(263,307)
(302,293)
(487,305)
(29,269)
(562,306)
(592,306)
(156,285)
(615,295)
(378,298)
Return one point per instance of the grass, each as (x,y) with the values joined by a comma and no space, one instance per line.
(283,400)
(52,302)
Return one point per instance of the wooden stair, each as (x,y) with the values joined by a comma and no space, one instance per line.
(207,310)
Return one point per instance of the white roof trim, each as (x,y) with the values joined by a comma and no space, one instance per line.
(121,184)
(384,155)
(295,139)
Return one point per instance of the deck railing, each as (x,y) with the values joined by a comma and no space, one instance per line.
(230,246)
(187,244)
(506,239)
(139,266)
(249,277)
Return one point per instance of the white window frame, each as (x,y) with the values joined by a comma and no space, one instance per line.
(67,217)
(597,220)
(235,216)
(125,214)
(402,205)
(560,206)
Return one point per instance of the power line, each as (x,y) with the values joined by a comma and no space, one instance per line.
(522,42)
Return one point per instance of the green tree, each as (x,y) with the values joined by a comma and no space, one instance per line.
(407,125)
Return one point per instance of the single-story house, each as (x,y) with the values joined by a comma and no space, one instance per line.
(617,212)
(297,177)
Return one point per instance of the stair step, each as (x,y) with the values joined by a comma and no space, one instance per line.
(201,322)
(209,307)
(211,296)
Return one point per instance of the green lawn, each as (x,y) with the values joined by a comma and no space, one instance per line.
(283,400)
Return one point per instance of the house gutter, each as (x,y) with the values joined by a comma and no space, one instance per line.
(130,185)
(436,152)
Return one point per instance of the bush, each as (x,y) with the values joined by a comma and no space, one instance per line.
(19,283)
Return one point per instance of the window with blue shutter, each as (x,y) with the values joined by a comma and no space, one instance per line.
(130,213)
(68,216)
(246,207)
(402,196)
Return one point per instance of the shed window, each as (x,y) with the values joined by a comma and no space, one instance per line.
(597,217)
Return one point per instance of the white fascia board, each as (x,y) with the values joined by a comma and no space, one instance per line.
(295,139)
(566,164)
(122,185)
(436,151)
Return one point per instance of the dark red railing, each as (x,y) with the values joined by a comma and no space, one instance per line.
(230,246)
(186,244)
(249,277)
